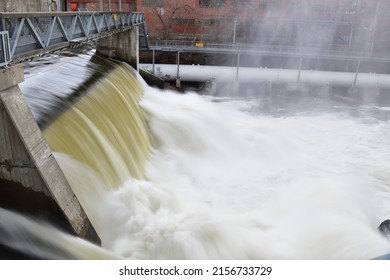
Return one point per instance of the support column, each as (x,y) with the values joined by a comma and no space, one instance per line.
(356,75)
(122,46)
(178,82)
(154,65)
(238,66)
(26,159)
(300,68)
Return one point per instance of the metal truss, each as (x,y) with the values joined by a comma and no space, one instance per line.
(36,33)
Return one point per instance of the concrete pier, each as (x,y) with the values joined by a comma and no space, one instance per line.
(27,161)
(123,46)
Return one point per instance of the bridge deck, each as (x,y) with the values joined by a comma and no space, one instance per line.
(23,35)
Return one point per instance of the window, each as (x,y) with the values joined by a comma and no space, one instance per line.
(244,3)
(267,5)
(211,3)
(340,39)
(211,21)
(182,21)
(152,3)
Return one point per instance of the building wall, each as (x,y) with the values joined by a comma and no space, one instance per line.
(103,5)
(344,25)
(24,6)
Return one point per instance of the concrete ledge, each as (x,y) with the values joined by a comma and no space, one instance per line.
(151,79)
(11,76)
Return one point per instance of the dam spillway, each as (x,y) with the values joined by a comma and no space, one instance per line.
(227,177)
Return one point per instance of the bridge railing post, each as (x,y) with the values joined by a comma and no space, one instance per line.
(5,51)
(178,83)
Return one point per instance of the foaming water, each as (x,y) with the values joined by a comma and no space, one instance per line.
(219,182)
(226,184)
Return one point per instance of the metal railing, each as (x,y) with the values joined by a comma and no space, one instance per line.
(323,51)
(34,33)
(5,51)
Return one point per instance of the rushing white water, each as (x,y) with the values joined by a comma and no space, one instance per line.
(253,176)
(25,238)
(226,184)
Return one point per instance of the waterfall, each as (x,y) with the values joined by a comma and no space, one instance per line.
(106,129)
(164,175)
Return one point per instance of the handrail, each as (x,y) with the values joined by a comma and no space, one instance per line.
(284,50)
(42,14)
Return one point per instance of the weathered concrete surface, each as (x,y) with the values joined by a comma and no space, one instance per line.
(151,79)
(16,197)
(11,76)
(26,158)
(18,6)
(122,46)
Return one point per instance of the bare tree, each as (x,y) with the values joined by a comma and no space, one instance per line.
(166,13)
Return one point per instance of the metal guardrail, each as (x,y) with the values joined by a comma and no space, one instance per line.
(5,51)
(240,46)
(34,33)
(325,51)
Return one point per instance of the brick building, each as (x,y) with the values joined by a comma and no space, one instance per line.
(101,5)
(344,25)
